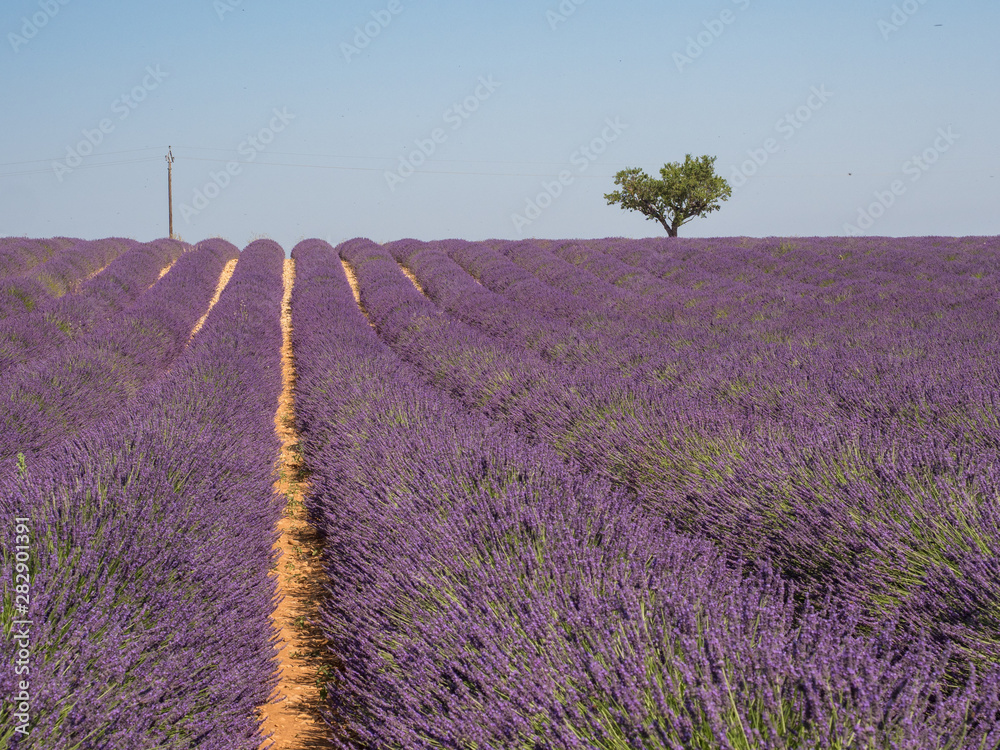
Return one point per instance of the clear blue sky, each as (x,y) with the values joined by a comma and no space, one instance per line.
(895,80)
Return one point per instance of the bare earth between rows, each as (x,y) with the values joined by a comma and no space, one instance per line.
(293,720)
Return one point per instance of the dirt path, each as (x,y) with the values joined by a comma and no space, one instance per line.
(412,278)
(165,271)
(227,273)
(353,281)
(75,287)
(295,722)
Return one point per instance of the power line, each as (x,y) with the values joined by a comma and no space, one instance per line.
(374,158)
(381,169)
(306,155)
(384,158)
(421,169)
(84,166)
(109,153)
(301,166)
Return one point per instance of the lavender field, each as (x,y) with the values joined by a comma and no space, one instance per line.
(670,493)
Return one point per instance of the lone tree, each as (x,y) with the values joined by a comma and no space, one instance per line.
(685,191)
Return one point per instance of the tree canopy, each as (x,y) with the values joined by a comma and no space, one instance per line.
(685,191)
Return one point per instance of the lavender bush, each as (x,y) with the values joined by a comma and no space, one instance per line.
(31,337)
(59,275)
(686,494)
(153,534)
(98,372)
(493,595)
(751,441)
(18,255)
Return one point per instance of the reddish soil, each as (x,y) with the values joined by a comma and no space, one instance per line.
(166,270)
(227,273)
(294,717)
(353,281)
(412,278)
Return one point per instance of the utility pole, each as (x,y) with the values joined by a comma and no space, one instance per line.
(170,188)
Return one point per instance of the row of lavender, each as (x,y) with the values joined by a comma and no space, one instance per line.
(18,255)
(53,323)
(59,275)
(753,298)
(907,302)
(152,529)
(748,442)
(56,396)
(487,593)
(886,350)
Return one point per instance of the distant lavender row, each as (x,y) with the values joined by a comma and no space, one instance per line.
(631,333)
(761,290)
(59,275)
(804,263)
(152,536)
(33,336)
(18,255)
(98,372)
(751,287)
(562,328)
